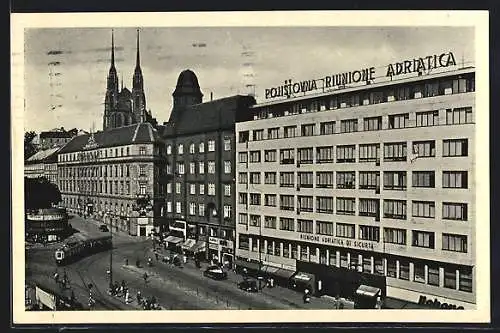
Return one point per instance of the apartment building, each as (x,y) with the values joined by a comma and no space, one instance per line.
(370,184)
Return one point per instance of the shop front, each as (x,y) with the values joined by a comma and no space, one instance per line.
(221,250)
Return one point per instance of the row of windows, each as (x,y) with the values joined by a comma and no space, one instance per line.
(101,187)
(201,147)
(431,273)
(116,170)
(456,116)
(395,209)
(394,151)
(197,209)
(102,153)
(450,242)
(437,87)
(201,189)
(368,180)
(210,169)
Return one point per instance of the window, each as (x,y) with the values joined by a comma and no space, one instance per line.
(424,148)
(423,239)
(369,180)
(242,198)
(369,152)
(324,179)
(178,188)
(211,167)
(345,230)
(211,189)
(270,200)
(286,224)
(431,89)
(455,211)
(227,211)
(142,170)
(287,179)
(369,233)
(254,177)
(305,204)
(395,209)
(418,272)
(227,166)
(423,209)
(242,218)
(243,136)
(327,128)
(192,189)
(227,190)
(324,228)
(287,202)
(454,179)
(305,226)
(459,116)
(450,277)
(270,177)
(427,118)
(455,147)
(211,145)
(142,150)
(307,130)
(455,243)
(289,131)
(346,154)
(346,179)
(255,156)
(258,135)
(255,199)
(395,151)
(305,179)
(398,120)
(324,205)
(273,133)
(305,155)
(391,267)
(227,144)
(395,180)
(324,154)
(202,189)
(287,156)
(255,220)
(369,207)
(423,179)
(465,279)
(395,236)
(192,208)
(169,207)
(348,126)
(243,157)
(201,167)
(433,275)
(178,208)
(180,149)
(270,222)
(372,123)
(270,155)
(201,147)
(243,178)
(346,206)
(243,242)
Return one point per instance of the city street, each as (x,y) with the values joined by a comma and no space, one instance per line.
(174,287)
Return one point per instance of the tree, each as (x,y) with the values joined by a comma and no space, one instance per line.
(40,193)
(29,147)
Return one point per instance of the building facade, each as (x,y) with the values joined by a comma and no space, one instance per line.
(200,152)
(55,138)
(43,164)
(371,184)
(114,176)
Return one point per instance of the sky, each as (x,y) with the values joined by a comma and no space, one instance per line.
(66,88)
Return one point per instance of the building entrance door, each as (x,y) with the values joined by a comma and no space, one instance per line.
(142,231)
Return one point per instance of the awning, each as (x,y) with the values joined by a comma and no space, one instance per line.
(200,246)
(173,239)
(304,277)
(269,269)
(369,291)
(188,244)
(247,264)
(284,273)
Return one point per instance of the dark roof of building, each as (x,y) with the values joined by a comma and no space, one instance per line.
(136,133)
(210,116)
(187,83)
(125,93)
(43,155)
(56,134)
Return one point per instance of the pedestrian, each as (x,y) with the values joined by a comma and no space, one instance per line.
(156,255)
(56,277)
(139,297)
(126,262)
(145,277)
(126,296)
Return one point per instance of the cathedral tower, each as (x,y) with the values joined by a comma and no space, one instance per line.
(138,96)
(111,98)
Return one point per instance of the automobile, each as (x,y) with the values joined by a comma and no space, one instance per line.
(103,228)
(248,285)
(215,272)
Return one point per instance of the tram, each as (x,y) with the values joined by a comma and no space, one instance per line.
(73,251)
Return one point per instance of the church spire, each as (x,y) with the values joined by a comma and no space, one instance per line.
(112,48)
(138,57)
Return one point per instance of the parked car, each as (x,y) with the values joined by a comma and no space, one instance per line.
(103,228)
(215,272)
(248,285)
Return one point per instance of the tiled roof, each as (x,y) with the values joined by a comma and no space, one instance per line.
(136,133)
(42,155)
(55,134)
(209,116)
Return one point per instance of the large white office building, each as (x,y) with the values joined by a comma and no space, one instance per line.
(368,184)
